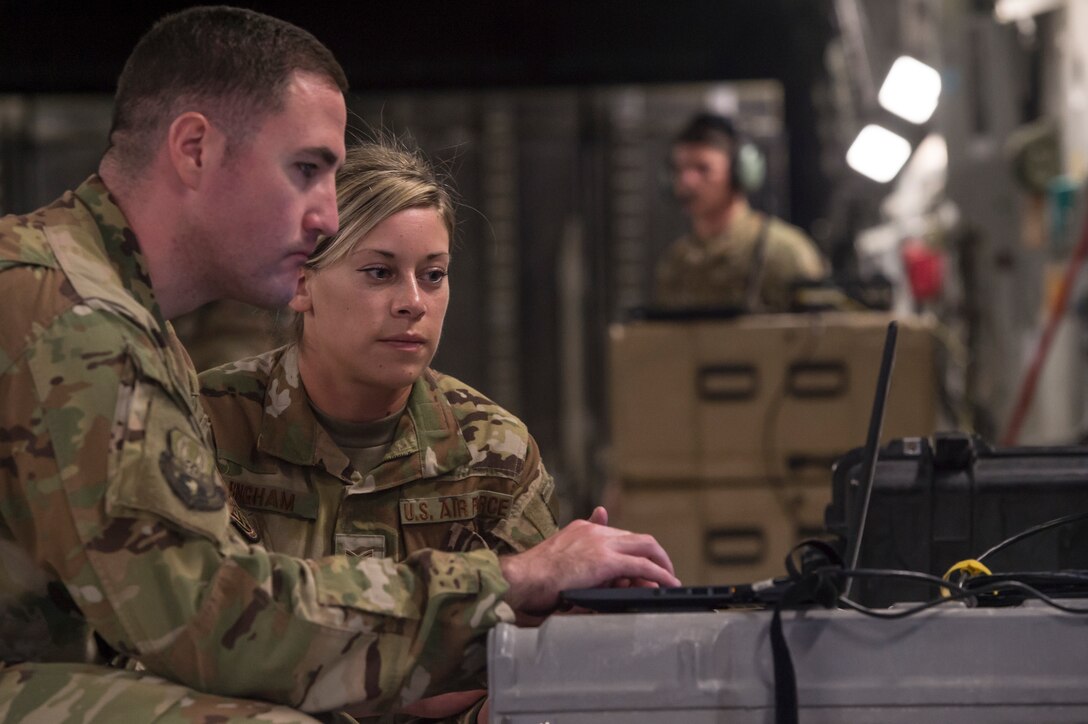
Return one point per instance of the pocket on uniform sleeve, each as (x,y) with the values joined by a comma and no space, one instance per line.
(159,463)
(378,585)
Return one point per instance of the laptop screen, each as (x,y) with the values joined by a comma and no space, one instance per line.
(872,448)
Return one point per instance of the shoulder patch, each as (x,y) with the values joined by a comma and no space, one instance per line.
(188,467)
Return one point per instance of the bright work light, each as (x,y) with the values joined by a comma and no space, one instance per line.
(911,90)
(878,153)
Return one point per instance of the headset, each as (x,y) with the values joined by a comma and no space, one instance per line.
(747,166)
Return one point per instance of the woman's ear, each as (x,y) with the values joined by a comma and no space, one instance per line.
(301,302)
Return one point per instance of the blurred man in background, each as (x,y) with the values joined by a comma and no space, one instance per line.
(734,257)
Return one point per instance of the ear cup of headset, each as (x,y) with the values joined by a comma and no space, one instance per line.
(747,171)
(749,167)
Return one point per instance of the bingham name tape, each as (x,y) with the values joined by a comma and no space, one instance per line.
(259,497)
(477,504)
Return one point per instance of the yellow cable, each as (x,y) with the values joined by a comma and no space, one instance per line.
(969,567)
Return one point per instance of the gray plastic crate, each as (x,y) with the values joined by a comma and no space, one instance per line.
(950,664)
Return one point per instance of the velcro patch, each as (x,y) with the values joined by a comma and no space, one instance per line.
(277,500)
(360,545)
(189,468)
(477,504)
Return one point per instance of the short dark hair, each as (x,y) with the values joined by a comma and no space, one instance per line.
(710,129)
(229,63)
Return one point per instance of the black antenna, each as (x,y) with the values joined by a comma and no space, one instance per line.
(872,448)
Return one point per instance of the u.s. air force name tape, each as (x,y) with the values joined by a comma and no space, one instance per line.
(466,506)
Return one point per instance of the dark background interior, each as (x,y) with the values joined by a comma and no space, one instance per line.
(50,46)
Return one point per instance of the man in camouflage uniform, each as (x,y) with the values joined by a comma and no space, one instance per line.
(114,525)
(734,257)
(458,473)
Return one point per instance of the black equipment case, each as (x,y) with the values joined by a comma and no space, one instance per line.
(935,503)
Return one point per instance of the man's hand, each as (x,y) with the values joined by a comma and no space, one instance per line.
(584,554)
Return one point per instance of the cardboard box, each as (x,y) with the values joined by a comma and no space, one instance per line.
(762,396)
(729,533)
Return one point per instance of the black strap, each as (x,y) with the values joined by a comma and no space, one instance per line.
(818,581)
(785,683)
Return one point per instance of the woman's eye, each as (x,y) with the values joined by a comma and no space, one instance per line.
(435,276)
(307,169)
(379,273)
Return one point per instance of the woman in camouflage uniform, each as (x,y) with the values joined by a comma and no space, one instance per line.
(344,440)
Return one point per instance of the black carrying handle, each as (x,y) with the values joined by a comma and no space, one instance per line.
(727,383)
(808,380)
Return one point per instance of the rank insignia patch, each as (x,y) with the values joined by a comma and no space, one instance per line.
(244,525)
(190,470)
(360,545)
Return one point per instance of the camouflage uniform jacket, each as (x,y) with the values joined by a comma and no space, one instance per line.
(716,272)
(461,472)
(114,520)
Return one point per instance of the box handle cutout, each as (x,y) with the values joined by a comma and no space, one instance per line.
(734,546)
(727,383)
(817,379)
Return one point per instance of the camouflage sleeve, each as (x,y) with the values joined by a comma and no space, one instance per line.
(531,518)
(112,489)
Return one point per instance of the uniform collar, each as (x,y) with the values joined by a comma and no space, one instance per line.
(742,226)
(122,249)
(290,431)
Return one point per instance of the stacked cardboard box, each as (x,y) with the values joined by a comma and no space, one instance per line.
(724,432)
